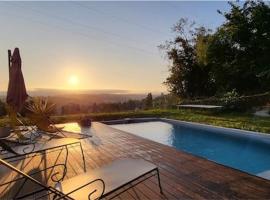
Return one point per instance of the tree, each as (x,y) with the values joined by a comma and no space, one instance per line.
(94,107)
(149,101)
(234,57)
(165,101)
(189,71)
(159,101)
(239,50)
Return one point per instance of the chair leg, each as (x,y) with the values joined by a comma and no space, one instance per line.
(84,167)
(159,183)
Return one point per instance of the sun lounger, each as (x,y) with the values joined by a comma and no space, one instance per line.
(38,147)
(21,152)
(107,181)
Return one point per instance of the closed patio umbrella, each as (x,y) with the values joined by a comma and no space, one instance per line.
(16,94)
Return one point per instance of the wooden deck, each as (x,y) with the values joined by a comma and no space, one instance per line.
(183,176)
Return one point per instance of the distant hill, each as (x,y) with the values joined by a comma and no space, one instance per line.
(84,97)
(53,92)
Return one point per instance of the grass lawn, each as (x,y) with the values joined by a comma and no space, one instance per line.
(232,120)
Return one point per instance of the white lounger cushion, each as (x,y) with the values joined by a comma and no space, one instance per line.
(115,175)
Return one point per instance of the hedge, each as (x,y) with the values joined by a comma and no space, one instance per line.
(236,103)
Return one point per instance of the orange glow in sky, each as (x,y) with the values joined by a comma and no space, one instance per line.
(63,45)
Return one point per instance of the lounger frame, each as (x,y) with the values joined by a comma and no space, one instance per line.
(15,158)
(57,195)
(34,152)
(151,173)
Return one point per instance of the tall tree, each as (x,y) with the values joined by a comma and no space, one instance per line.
(149,101)
(234,57)
(189,71)
(239,50)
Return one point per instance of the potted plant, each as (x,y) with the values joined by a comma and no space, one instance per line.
(85,121)
(40,110)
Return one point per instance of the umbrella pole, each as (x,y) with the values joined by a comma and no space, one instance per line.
(9,60)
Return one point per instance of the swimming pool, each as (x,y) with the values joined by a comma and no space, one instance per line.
(247,151)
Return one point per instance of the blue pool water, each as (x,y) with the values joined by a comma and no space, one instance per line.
(243,153)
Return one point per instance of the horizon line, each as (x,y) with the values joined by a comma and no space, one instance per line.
(83,91)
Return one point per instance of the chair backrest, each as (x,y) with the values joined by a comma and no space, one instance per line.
(26,176)
(21,173)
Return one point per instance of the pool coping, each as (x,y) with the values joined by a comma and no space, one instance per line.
(224,130)
(263,137)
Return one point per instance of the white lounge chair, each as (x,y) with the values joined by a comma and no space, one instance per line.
(120,175)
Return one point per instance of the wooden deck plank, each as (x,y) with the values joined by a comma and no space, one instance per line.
(235,180)
(183,175)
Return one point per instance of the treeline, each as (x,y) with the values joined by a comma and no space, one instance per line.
(162,101)
(149,102)
(73,108)
(234,57)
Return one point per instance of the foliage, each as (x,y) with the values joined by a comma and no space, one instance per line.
(12,116)
(232,120)
(3,110)
(239,50)
(230,99)
(40,111)
(40,106)
(189,71)
(148,101)
(165,101)
(242,103)
(235,56)
(161,101)
(13,122)
(233,101)
(85,121)
(101,107)
(203,101)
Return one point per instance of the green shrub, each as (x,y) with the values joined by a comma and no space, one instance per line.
(109,116)
(230,100)
(205,101)
(241,103)
(233,101)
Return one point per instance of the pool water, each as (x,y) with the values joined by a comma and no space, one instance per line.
(243,153)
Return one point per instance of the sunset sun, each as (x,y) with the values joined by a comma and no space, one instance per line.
(73,80)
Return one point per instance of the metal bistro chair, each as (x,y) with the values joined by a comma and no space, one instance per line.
(108,181)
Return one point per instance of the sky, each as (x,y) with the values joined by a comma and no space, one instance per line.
(95,45)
